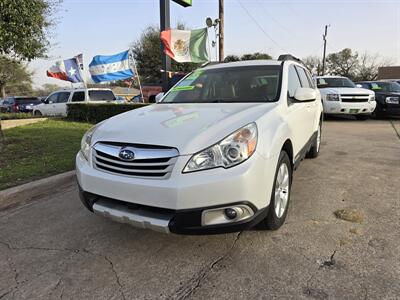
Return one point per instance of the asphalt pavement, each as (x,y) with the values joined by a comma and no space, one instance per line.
(53,248)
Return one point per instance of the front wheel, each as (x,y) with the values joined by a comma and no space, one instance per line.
(280,196)
(37,113)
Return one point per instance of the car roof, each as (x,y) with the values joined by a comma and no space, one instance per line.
(243,63)
(330,76)
(83,89)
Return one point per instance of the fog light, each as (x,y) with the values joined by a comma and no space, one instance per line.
(230,213)
(225,215)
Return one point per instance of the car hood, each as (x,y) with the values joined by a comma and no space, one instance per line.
(353,91)
(187,127)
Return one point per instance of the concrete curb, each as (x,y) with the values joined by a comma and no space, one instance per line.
(28,192)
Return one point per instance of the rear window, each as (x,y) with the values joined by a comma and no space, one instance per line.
(32,100)
(101,96)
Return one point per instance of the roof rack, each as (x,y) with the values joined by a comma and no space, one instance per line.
(284,57)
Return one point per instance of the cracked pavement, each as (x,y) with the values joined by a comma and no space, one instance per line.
(53,248)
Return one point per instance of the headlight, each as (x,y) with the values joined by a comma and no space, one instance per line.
(392,100)
(332,97)
(87,141)
(372,98)
(229,152)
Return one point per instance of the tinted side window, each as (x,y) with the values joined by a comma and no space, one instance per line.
(52,98)
(303,77)
(63,97)
(313,84)
(293,81)
(78,97)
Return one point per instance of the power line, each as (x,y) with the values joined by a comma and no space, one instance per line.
(275,20)
(259,26)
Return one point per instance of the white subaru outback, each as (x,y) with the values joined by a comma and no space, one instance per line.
(216,154)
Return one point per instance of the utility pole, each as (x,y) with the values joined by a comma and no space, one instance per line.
(165,59)
(324,57)
(221,31)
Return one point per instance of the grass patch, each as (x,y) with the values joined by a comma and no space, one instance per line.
(350,215)
(39,150)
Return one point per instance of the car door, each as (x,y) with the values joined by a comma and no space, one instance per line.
(61,104)
(297,117)
(48,108)
(311,106)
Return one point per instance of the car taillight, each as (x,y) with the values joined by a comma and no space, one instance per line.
(16,108)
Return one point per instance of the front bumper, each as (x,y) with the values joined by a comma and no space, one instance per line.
(179,200)
(188,221)
(338,107)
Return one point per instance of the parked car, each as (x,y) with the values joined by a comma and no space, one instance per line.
(341,96)
(19,104)
(56,103)
(120,99)
(216,154)
(151,90)
(137,99)
(387,96)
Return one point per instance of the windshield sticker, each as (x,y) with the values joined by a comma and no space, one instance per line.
(183,88)
(375,86)
(194,75)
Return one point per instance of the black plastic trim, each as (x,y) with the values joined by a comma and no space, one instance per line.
(187,221)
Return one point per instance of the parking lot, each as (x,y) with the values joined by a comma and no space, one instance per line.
(54,248)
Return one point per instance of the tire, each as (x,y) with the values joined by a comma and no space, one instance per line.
(378,114)
(37,113)
(362,117)
(280,195)
(314,150)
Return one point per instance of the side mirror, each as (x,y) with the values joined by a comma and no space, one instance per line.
(159,97)
(305,94)
(359,85)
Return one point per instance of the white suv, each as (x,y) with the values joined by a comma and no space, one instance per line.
(216,154)
(56,103)
(341,96)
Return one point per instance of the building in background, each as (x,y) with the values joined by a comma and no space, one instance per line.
(389,72)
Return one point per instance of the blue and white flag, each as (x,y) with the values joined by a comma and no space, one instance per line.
(111,67)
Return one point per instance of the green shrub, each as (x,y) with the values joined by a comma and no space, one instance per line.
(13,116)
(94,113)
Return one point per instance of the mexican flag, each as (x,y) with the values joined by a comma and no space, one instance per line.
(186,45)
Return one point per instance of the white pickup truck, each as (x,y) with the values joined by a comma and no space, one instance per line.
(56,103)
(341,96)
(216,154)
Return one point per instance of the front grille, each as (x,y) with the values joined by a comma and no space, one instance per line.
(354,98)
(149,162)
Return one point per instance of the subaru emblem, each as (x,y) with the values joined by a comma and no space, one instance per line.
(126,154)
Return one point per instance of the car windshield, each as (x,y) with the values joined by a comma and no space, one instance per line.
(32,100)
(230,84)
(334,82)
(99,95)
(393,87)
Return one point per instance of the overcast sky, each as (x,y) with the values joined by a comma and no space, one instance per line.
(96,27)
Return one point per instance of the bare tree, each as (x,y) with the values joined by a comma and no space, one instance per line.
(369,65)
(313,64)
